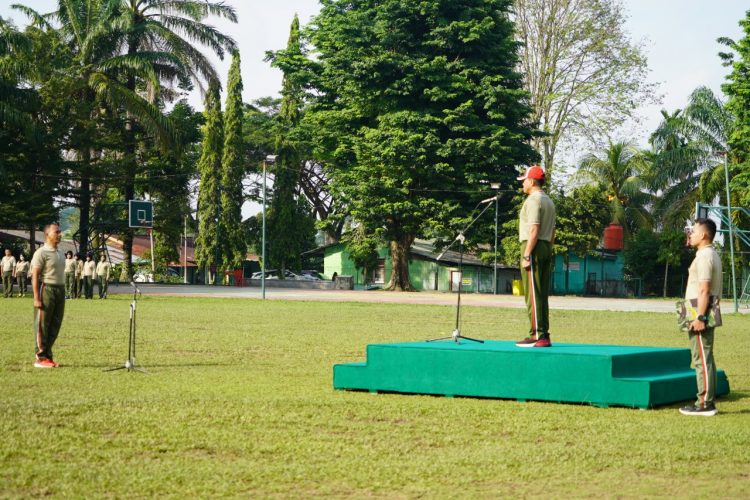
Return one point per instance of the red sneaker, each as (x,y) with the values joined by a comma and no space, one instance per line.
(543,341)
(527,342)
(57,365)
(44,363)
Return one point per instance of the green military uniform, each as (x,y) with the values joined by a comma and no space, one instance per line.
(537,209)
(89,273)
(49,317)
(79,278)
(71,268)
(102,277)
(705,267)
(7,264)
(22,272)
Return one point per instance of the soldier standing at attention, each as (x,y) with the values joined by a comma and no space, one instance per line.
(79,276)
(89,273)
(22,271)
(48,284)
(704,286)
(8,264)
(70,275)
(536,230)
(102,275)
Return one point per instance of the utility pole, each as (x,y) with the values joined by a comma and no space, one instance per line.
(269,159)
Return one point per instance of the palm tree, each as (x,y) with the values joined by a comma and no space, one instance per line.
(164,32)
(93,71)
(621,174)
(687,168)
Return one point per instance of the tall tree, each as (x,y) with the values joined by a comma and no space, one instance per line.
(232,243)
(736,88)
(207,251)
(621,174)
(687,167)
(285,235)
(30,162)
(90,73)
(417,103)
(583,73)
(164,34)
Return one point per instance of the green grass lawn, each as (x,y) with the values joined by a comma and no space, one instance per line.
(238,401)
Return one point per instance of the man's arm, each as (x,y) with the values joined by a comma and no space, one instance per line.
(704,290)
(530,244)
(35,273)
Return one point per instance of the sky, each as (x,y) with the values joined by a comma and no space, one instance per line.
(679,38)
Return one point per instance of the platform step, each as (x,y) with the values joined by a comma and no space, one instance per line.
(603,375)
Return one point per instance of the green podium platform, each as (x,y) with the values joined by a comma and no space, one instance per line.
(601,375)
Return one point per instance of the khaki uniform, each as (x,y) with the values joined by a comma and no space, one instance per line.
(705,267)
(71,266)
(7,264)
(22,273)
(539,209)
(102,276)
(89,274)
(79,278)
(48,319)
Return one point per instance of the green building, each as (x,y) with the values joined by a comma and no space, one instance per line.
(600,274)
(425,270)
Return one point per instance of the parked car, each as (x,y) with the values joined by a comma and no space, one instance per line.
(311,275)
(143,277)
(273,274)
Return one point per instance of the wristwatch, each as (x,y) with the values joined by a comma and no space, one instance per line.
(702,317)
(527,258)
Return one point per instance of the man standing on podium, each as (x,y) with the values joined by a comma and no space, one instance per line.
(536,230)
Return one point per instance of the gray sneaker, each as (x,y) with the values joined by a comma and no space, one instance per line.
(700,411)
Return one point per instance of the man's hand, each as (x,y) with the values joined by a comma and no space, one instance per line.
(697,326)
(525,264)
(37,303)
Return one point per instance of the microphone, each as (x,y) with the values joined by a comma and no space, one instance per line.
(441,254)
(488,200)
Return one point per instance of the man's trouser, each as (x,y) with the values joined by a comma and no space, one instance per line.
(48,319)
(102,283)
(702,348)
(70,285)
(536,281)
(88,287)
(79,287)
(7,283)
(21,279)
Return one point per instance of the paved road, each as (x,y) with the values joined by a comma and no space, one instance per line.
(435,298)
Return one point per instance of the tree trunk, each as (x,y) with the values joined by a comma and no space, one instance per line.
(666,273)
(85,208)
(400,264)
(32,238)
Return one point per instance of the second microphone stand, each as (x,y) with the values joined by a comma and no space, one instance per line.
(456,334)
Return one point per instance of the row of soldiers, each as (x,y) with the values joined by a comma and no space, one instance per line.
(80,276)
(14,270)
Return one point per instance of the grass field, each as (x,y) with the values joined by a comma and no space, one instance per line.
(238,402)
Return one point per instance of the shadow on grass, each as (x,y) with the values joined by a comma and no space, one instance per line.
(105,366)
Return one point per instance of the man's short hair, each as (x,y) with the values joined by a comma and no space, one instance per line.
(69,253)
(47,226)
(710,227)
(539,182)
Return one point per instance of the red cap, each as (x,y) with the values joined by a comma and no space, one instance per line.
(533,172)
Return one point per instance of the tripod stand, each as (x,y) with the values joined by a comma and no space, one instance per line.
(456,334)
(130,362)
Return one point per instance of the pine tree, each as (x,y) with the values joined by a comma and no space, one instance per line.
(286,233)
(232,242)
(209,169)
(417,106)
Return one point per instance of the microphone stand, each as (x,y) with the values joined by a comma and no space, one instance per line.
(130,363)
(460,238)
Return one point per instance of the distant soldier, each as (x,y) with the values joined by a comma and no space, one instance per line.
(89,274)
(48,285)
(8,264)
(22,271)
(79,276)
(70,275)
(102,276)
